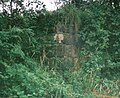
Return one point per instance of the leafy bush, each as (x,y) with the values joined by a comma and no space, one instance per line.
(29,67)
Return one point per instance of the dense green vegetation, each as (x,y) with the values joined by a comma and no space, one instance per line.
(26,70)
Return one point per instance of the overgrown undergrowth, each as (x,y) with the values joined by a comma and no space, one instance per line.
(26,70)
